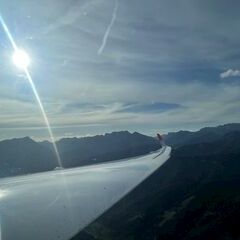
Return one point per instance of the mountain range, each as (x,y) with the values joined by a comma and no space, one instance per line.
(194,195)
(207,134)
(25,156)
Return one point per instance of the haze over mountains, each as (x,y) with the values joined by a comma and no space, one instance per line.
(207,134)
(25,156)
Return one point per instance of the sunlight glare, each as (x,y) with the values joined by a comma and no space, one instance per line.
(21,59)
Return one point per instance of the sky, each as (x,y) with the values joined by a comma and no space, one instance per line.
(109,65)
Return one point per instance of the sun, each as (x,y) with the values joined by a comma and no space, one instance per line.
(21,59)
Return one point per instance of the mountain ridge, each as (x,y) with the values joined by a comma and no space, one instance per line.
(24,155)
(206,134)
(192,196)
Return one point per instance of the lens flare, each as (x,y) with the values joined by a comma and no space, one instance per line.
(21,59)
(43,114)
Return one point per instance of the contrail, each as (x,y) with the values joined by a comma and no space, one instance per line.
(105,37)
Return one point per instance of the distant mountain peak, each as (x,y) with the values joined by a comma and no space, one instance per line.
(19,140)
(206,134)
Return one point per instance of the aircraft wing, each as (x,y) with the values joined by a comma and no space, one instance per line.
(56,205)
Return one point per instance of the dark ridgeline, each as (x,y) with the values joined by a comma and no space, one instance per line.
(103,148)
(207,134)
(194,195)
(24,156)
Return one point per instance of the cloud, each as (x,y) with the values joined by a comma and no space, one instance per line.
(81,107)
(153,107)
(71,14)
(230,73)
(151,75)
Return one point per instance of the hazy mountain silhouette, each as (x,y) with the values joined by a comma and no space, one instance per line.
(23,155)
(207,134)
(194,195)
(102,148)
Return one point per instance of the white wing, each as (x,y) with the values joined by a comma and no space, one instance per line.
(58,204)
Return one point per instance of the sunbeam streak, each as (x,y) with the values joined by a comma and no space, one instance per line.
(43,114)
(30,80)
(5,28)
(24,68)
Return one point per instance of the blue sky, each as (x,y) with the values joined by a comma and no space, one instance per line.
(104,65)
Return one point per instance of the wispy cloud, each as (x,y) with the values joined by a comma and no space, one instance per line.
(105,37)
(230,73)
(152,75)
(153,107)
(71,15)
